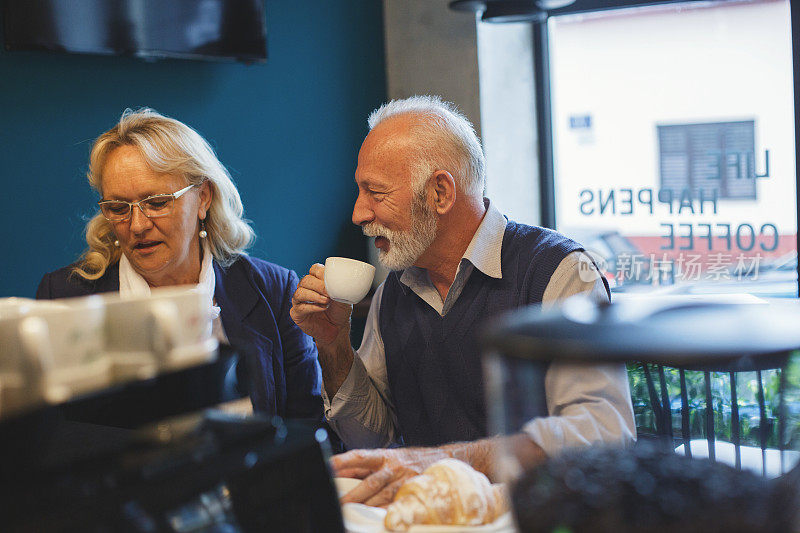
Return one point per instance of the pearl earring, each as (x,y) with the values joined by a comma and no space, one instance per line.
(203,233)
(116,243)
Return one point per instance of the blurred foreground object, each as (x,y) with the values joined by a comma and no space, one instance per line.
(662,335)
(649,489)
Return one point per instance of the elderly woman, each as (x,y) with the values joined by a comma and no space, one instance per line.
(170,215)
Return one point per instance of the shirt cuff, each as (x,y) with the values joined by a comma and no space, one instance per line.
(588,405)
(547,433)
(583,426)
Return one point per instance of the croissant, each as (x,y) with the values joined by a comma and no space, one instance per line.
(449,492)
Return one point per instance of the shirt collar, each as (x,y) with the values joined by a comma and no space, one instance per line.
(483,251)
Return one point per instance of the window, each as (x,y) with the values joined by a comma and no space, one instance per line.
(670,164)
(676,170)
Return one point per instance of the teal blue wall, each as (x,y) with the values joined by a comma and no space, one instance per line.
(288,130)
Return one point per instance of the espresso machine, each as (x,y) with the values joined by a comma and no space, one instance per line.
(149,455)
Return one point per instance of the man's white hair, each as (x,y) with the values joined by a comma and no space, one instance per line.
(446,141)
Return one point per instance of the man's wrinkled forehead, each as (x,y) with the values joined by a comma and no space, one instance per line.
(395,137)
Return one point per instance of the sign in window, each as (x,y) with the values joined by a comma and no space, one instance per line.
(674,151)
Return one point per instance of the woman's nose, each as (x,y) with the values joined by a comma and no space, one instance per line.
(139,222)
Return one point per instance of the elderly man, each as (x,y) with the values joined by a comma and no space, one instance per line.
(455,261)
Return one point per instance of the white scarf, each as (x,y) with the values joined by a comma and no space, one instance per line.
(131,284)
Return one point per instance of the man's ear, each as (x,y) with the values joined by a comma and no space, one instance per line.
(444,191)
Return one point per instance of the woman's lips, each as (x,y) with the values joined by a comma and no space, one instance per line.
(146,246)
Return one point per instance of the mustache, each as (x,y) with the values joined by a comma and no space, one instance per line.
(375,230)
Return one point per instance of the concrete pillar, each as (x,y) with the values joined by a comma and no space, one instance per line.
(431,49)
(508,119)
(485,69)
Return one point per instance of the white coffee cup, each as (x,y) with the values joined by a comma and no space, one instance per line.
(75,328)
(75,337)
(14,306)
(52,347)
(169,329)
(24,362)
(192,342)
(347,280)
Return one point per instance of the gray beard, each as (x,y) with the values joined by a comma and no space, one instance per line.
(406,247)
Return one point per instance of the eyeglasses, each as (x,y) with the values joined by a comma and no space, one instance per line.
(159,205)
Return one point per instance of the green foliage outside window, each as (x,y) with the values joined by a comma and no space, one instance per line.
(747,401)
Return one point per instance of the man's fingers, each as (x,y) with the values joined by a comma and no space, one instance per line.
(369,487)
(309,295)
(317,270)
(370,459)
(385,497)
(300,312)
(313,283)
(355,473)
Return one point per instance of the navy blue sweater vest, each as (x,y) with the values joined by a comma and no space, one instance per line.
(434,362)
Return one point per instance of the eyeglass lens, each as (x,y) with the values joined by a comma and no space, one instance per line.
(155,206)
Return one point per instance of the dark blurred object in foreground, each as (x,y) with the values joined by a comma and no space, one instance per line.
(199,473)
(653,490)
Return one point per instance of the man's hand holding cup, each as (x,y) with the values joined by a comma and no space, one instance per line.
(323,301)
(321,307)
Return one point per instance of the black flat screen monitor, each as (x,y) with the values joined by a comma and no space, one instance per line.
(193,29)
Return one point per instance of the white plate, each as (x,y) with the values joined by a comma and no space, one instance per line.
(360,518)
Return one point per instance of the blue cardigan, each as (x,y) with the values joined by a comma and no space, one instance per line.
(254,297)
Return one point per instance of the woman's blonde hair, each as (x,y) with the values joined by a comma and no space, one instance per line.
(171,147)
